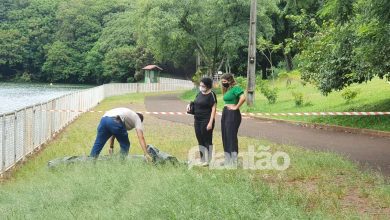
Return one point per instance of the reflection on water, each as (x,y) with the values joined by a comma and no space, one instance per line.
(14,96)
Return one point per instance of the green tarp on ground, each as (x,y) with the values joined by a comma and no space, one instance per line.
(158,157)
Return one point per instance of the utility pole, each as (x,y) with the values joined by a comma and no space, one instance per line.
(251,72)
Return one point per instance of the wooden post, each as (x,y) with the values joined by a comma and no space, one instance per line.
(251,71)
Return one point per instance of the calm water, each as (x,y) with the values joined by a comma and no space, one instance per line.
(14,96)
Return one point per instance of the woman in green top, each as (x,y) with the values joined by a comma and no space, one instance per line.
(234,97)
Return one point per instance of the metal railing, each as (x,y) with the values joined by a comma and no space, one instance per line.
(26,129)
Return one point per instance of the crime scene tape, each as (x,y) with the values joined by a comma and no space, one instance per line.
(244,114)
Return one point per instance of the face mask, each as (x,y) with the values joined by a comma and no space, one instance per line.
(202,89)
(226,85)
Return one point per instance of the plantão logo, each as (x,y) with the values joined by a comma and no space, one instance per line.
(252,159)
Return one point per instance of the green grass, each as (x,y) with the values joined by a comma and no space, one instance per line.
(373,96)
(317,185)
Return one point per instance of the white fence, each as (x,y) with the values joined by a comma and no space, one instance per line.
(24,130)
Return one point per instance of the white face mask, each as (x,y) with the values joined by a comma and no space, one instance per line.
(202,89)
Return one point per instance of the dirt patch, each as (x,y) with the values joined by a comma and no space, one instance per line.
(363,204)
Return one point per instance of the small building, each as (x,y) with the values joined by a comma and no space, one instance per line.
(152,73)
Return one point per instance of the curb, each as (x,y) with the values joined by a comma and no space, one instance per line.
(338,128)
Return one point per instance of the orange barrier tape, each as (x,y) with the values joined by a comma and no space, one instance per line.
(248,114)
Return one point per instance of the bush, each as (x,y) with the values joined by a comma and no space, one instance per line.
(130,79)
(275,72)
(298,98)
(242,82)
(270,93)
(259,82)
(283,75)
(349,94)
(138,76)
(25,77)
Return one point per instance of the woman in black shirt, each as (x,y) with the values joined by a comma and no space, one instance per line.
(205,106)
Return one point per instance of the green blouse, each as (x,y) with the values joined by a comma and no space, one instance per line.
(232,96)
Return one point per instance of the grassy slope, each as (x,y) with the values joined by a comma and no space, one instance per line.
(320,185)
(373,96)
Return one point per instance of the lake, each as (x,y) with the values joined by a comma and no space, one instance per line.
(15,96)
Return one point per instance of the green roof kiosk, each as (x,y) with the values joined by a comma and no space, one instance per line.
(152,73)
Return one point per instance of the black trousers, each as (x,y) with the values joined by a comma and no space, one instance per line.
(230,122)
(205,137)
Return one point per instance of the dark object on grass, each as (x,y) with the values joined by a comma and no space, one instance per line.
(77,159)
(158,157)
(66,160)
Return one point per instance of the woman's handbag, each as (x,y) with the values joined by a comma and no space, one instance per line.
(191,106)
(191,109)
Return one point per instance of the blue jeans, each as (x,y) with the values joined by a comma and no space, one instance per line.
(108,127)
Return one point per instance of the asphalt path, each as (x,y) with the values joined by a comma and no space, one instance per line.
(368,151)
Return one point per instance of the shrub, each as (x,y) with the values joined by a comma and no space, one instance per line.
(242,82)
(260,82)
(283,75)
(130,79)
(275,72)
(138,76)
(25,77)
(288,83)
(270,93)
(298,98)
(349,94)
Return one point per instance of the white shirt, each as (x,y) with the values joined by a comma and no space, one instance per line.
(129,117)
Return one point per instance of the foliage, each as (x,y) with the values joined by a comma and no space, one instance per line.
(197,77)
(298,98)
(97,31)
(138,76)
(25,77)
(119,63)
(242,82)
(267,49)
(12,50)
(348,47)
(349,94)
(62,63)
(270,93)
(334,43)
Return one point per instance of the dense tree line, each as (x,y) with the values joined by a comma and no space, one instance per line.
(333,42)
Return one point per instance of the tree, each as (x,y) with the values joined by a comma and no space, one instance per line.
(286,28)
(119,63)
(118,34)
(81,23)
(267,49)
(62,63)
(12,48)
(372,29)
(12,51)
(350,48)
(216,30)
(35,21)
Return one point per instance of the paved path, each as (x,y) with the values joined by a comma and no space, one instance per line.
(369,151)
